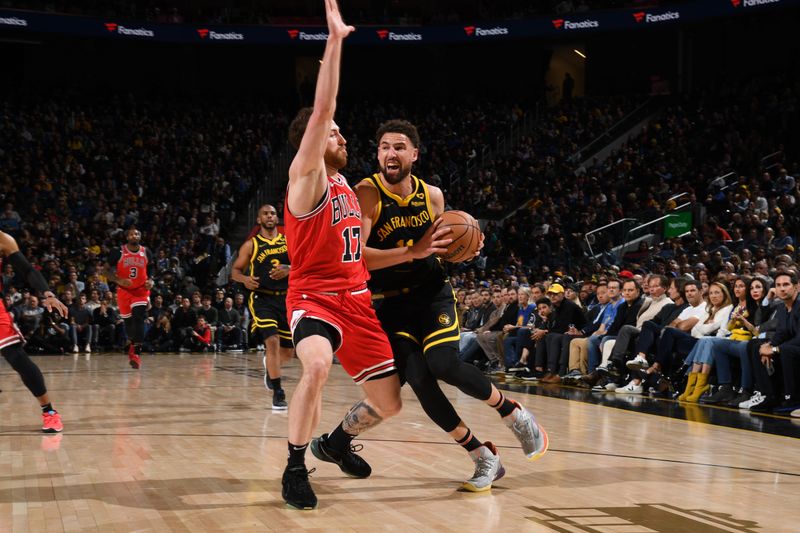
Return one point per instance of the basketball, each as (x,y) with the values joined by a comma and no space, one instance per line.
(466,235)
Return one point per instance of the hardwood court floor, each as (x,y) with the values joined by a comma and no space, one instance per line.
(189,443)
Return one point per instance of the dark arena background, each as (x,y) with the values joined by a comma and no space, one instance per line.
(633,165)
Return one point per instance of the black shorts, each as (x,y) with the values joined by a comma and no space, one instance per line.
(426,316)
(269,317)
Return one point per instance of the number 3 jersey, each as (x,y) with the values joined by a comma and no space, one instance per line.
(325,244)
(267,254)
(131,265)
(399,222)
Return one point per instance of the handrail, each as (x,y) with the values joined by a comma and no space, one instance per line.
(586,236)
(577,155)
(677,196)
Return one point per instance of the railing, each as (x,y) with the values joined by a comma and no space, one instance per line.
(630,237)
(589,237)
(721,182)
(611,133)
(772,160)
(277,174)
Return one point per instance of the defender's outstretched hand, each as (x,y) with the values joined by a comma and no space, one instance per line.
(336,26)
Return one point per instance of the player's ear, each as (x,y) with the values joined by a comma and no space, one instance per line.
(414,155)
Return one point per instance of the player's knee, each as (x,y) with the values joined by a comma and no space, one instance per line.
(442,362)
(316,371)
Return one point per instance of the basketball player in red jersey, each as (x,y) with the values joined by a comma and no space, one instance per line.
(328,303)
(133,266)
(11,339)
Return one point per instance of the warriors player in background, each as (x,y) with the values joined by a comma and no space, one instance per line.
(266,260)
(11,339)
(330,307)
(130,266)
(416,304)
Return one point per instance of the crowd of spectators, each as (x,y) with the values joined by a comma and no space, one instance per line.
(309,12)
(637,334)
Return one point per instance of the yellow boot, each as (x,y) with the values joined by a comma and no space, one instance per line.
(689,386)
(700,388)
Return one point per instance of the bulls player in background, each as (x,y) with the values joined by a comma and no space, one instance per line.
(130,266)
(11,339)
(329,304)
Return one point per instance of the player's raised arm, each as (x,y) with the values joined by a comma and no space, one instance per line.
(307,173)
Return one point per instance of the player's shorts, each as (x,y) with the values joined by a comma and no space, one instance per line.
(363,349)
(269,316)
(425,315)
(127,299)
(9,333)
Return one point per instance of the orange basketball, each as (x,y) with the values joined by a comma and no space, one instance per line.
(466,235)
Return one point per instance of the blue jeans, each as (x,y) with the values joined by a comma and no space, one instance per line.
(703,351)
(512,346)
(722,361)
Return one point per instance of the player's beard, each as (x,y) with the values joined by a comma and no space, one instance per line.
(394,177)
(337,159)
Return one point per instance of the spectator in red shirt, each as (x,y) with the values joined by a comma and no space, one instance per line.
(200,339)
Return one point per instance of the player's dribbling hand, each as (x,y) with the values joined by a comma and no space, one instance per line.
(480,246)
(336,26)
(251,282)
(148,284)
(432,242)
(51,302)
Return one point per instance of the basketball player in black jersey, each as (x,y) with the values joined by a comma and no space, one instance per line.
(266,260)
(415,302)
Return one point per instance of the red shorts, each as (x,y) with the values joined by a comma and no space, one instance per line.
(364,350)
(9,334)
(130,298)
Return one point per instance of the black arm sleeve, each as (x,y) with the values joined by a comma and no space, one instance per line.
(22,267)
(113,257)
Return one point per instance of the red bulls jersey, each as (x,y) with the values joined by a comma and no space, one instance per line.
(133,266)
(325,244)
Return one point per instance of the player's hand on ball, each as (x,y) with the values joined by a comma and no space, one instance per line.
(251,282)
(434,241)
(480,246)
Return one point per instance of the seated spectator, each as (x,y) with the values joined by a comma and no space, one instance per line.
(199,338)
(50,337)
(81,325)
(29,316)
(774,362)
(105,322)
(229,330)
(716,317)
(160,337)
(510,343)
(183,321)
(563,326)
(757,320)
(490,339)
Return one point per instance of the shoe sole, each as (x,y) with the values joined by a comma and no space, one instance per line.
(280,407)
(134,365)
(300,507)
(51,430)
(322,456)
(469,487)
(535,456)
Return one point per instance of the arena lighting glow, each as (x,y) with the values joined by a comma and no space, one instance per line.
(579,53)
